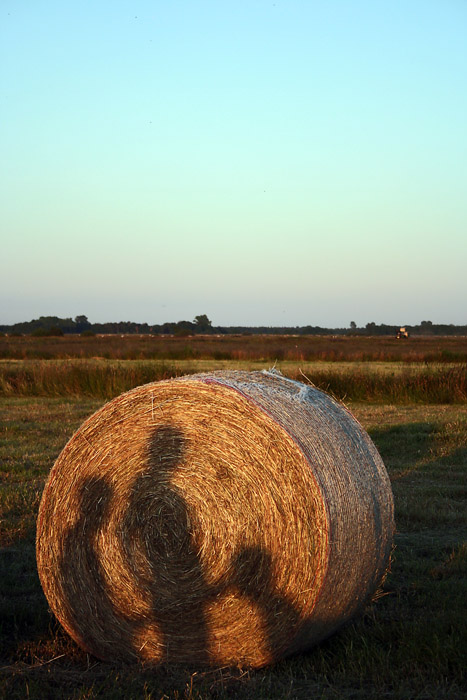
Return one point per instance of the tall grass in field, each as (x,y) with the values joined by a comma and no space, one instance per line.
(436,384)
(106,379)
(97,379)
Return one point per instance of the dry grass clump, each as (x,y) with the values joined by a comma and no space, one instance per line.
(222,518)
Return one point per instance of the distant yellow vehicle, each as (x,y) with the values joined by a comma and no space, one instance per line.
(402,333)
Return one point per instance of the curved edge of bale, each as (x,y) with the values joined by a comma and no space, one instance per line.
(355,486)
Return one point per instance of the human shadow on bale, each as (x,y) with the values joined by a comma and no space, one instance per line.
(88,612)
(253,577)
(163,556)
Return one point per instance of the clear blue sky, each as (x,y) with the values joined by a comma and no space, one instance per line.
(283,162)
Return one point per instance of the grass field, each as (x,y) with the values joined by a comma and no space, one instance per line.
(357,381)
(239,348)
(411,642)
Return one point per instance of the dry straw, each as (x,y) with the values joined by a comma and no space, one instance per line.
(223,518)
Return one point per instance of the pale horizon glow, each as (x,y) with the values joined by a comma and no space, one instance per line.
(264,163)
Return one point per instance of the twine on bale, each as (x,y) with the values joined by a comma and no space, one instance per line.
(222,518)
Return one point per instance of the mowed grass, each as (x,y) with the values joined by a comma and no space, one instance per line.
(355,381)
(411,643)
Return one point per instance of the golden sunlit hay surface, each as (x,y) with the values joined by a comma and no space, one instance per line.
(223,518)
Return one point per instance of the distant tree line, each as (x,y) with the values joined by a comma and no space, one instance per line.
(53,325)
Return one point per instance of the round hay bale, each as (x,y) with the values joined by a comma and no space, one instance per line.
(222,518)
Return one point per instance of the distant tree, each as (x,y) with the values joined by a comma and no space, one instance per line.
(371,327)
(183,329)
(202,323)
(427,327)
(353,325)
(82,323)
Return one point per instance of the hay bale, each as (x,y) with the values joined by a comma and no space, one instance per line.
(221,518)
